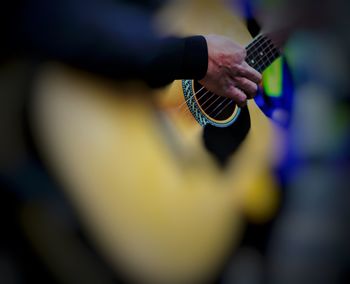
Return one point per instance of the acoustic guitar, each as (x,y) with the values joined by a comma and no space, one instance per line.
(152,199)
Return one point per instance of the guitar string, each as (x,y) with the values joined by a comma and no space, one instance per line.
(180,106)
(200,97)
(269,47)
(266,56)
(187,111)
(256,40)
(218,105)
(223,108)
(230,100)
(218,97)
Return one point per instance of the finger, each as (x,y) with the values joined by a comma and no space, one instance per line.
(237,95)
(244,70)
(248,87)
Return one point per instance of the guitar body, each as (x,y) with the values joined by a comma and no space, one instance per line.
(154,201)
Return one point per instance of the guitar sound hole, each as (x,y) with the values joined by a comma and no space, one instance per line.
(216,107)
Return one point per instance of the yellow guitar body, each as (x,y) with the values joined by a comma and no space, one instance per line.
(153,200)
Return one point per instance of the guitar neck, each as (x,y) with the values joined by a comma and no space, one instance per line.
(261,52)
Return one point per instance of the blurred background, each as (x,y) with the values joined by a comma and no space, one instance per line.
(105,181)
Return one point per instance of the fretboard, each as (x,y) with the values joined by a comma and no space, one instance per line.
(261,52)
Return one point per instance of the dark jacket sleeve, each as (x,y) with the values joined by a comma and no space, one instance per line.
(110,38)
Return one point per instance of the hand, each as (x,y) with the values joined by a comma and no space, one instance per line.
(228,73)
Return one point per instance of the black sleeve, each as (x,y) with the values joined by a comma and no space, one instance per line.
(178,58)
(111,38)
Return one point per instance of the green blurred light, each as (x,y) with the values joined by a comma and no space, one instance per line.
(273,79)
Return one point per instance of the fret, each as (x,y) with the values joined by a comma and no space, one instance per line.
(261,52)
